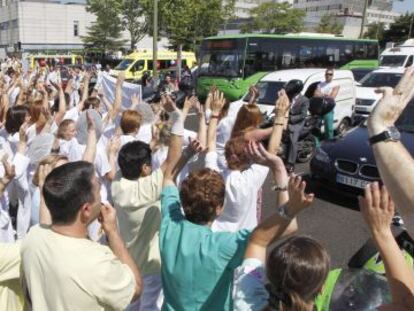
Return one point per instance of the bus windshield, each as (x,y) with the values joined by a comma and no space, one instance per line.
(392,60)
(124,64)
(222,58)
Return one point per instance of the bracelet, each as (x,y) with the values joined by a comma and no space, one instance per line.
(213,116)
(283,212)
(279,188)
(279,124)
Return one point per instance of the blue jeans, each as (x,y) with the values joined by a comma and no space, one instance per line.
(328,120)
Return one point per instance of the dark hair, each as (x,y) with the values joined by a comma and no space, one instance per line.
(15,117)
(297,270)
(132,157)
(201,193)
(66,189)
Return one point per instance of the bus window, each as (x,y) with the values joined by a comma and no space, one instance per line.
(67,61)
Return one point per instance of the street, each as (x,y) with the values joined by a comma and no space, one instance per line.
(332,219)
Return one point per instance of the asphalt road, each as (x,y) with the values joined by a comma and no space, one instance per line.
(333,220)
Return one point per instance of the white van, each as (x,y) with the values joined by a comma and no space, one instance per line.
(366,98)
(270,84)
(400,56)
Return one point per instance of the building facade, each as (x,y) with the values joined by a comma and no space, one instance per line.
(42,25)
(347,12)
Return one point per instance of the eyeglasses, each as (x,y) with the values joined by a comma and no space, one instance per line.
(328,74)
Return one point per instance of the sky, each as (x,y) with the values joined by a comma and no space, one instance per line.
(402,7)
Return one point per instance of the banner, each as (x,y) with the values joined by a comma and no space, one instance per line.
(128,89)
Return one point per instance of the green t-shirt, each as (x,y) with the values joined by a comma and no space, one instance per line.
(197,265)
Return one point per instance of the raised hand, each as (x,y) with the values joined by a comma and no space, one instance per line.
(261,156)
(114,145)
(393,102)
(9,171)
(377,208)
(135,101)
(194,147)
(168,103)
(121,78)
(44,170)
(90,122)
(107,218)
(282,104)
(254,94)
(217,102)
(298,199)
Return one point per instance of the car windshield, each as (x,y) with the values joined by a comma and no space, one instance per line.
(377,79)
(267,92)
(392,60)
(222,63)
(360,73)
(124,64)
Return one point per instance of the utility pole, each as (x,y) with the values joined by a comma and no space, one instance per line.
(364,16)
(410,32)
(155,41)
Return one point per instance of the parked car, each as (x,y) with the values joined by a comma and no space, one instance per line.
(366,98)
(271,83)
(347,164)
(360,73)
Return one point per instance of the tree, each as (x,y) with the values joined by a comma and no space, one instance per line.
(399,31)
(135,20)
(375,31)
(105,32)
(328,24)
(272,17)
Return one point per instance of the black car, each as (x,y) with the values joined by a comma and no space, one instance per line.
(347,164)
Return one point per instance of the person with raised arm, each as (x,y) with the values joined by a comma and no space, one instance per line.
(82,274)
(197,263)
(394,162)
(378,209)
(136,193)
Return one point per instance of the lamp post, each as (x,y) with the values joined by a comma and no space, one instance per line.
(155,41)
(364,16)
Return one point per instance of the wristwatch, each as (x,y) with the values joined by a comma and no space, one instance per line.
(390,134)
(284,212)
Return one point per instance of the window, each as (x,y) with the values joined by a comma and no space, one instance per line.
(409,62)
(76,28)
(138,66)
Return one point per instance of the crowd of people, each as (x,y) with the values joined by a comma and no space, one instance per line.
(125,209)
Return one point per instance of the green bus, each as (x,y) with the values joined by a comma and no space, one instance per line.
(234,62)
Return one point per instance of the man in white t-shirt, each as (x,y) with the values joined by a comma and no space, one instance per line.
(63,269)
(328,89)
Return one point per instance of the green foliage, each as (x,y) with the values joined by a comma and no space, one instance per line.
(187,22)
(375,31)
(328,24)
(272,17)
(399,30)
(105,32)
(135,19)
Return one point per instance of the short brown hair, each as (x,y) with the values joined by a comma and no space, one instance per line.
(201,193)
(52,160)
(130,121)
(235,153)
(91,103)
(63,126)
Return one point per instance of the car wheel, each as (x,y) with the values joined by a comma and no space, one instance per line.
(306,149)
(344,126)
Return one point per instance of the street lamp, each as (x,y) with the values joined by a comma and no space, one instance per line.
(155,41)
(364,16)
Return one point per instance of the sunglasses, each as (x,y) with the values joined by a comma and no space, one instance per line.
(328,74)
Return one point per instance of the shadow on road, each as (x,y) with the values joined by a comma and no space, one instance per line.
(349,201)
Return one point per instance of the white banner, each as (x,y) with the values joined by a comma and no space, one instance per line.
(128,89)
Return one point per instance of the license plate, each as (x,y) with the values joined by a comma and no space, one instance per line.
(351,181)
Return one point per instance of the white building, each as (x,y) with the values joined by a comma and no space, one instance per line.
(346,12)
(38,25)
(242,10)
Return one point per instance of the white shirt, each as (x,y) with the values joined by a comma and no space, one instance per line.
(240,204)
(326,87)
